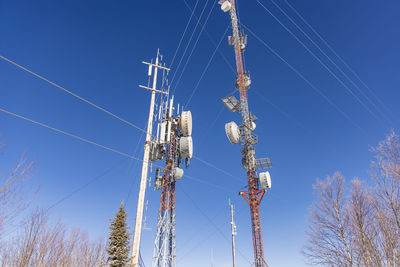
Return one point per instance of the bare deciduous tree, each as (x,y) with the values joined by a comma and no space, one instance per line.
(14,197)
(41,245)
(329,241)
(362,227)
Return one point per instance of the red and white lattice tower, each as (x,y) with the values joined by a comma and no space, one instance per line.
(174,142)
(244,134)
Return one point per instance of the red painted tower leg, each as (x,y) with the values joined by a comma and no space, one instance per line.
(253,197)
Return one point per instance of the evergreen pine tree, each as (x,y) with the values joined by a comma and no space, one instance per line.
(118,241)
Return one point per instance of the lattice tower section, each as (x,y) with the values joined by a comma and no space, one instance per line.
(254,195)
(164,247)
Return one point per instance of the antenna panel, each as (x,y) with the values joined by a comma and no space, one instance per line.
(231,103)
(162,132)
(264,163)
(186,147)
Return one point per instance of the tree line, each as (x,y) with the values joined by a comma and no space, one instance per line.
(358,224)
(31,241)
(350,224)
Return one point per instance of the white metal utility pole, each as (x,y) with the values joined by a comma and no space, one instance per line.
(233,227)
(145,166)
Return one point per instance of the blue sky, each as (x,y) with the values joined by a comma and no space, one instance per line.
(95,49)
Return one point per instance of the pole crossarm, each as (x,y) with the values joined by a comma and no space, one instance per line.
(152,89)
(156,66)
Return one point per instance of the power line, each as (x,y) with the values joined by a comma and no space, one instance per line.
(190,40)
(183,34)
(212,223)
(206,68)
(73,94)
(339,57)
(212,41)
(207,183)
(69,195)
(71,135)
(218,169)
(111,149)
(305,79)
(136,151)
(330,60)
(284,113)
(320,61)
(198,231)
(194,47)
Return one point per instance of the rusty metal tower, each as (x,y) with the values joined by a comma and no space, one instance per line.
(174,142)
(244,134)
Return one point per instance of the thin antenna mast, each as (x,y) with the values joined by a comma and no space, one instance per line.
(245,136)
(145,166)
(233,228)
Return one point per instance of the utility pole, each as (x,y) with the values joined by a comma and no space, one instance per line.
(145,166)
(233,228)
(244,134)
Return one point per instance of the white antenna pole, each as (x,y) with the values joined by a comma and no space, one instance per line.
(145,166)
(212,258)
(233,227)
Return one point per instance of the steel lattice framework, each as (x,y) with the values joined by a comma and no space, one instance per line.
(254,195)
(164,246)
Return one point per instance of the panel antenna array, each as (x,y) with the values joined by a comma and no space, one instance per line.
(172,142)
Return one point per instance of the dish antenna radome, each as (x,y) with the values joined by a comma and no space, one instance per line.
(185,123)
(232,132)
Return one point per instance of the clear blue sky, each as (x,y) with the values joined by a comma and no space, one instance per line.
(95,49)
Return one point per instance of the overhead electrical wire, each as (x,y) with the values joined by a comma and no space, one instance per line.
(212,40)
(295,121)
(198,231)
(305,79)
(338,56)
(206,238)
(332,62)
(188,43)
(194,46)
(73,94)
(111,149)
(218,169)
(70,135)
(209,184)
(212,223)
(80,188)
(183,34)
(136,151)
(320,61)
(206,68)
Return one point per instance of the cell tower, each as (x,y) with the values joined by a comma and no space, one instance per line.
(174,142)
(244,134)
